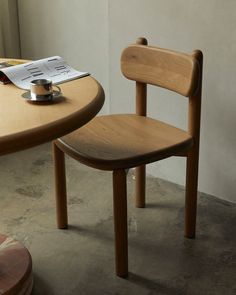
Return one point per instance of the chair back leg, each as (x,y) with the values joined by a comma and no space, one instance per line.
(120,222)
(194,117)
(191,193)
(140,186)
(60,187)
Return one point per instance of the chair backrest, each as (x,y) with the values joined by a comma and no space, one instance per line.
(165,68)
(169,69)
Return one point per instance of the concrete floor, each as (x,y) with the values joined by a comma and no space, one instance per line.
(80,260)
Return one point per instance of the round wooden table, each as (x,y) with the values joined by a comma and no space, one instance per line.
(24,125)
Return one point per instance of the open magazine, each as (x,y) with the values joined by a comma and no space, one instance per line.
(53,68)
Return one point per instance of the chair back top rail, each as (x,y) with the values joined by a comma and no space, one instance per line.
(161,67)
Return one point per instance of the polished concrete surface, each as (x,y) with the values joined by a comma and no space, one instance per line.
(80,260)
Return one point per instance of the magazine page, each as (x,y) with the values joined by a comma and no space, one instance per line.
(53,68)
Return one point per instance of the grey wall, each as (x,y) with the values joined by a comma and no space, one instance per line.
(75,30)
(185,25)
(91,34)
(9,29)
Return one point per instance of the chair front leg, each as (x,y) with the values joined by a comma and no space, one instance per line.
(60,187)
(120,222)
(140,186)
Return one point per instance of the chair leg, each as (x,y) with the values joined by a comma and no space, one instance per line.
(120,222)
(60,187)
(140,186)
(191,194)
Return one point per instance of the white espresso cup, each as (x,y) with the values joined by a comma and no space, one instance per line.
(42,89)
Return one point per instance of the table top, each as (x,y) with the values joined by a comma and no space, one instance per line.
(24,124)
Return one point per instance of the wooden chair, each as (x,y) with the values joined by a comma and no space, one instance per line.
(122,141)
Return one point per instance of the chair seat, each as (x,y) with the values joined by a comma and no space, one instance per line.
(123,141)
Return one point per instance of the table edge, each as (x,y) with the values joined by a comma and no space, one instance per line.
(42,134)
